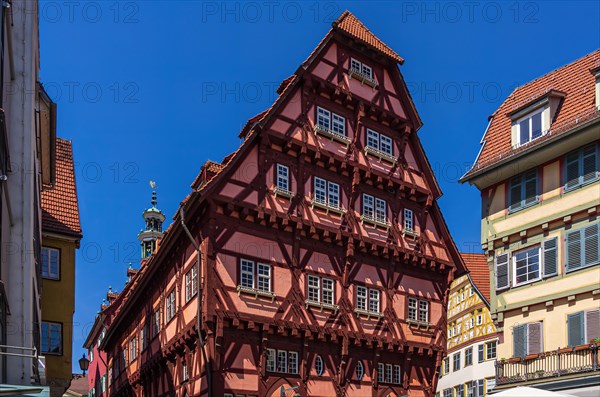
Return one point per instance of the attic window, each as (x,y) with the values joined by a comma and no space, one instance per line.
(529,127)
(362,72)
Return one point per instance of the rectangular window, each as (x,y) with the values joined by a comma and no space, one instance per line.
(144,336)
(581,167)
(530,128)
(264,277)
(501,271)
(582,247)
(355,65)
(468,356)
(583,327)
(380,372)
(338,124)
(326,193)
(380,210)
(271,360)
(478,388)
(361,68)
(184,372)
(170,305)
(423,311)
(361,298)
(321,290)
(282,361)
(397,375)
(314,286)
(469,387)
(374,297)
(368,206)
(283,178)
(328,291)
(133,349)
(388,373)
(191,284)
(446,365)
(412,309)
(323,118)
(155,323)
(490,350)
(293,362)
(527,265)
(247,273)
(490,384)
(448,392)
(51,338)
(379,142)
(456,362)
(50,263)
(331,122)
(527,339)
(481,353)
(523,190)
(261,280)
(408,220)
(459,391)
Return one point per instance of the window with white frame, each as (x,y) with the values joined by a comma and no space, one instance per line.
(523,190)
(293,363)
(388,373)
(170,305)
(331,122)
(133,348)
(528,339)
(368,299)
(468,356)
(581,167)
(374,208)
(155,322)
(319,366)
(379,142)
(397,378)
(283,178)
(326,193)
(282,361)
(529,128)
(360,370)
(191,283)
(271,360)
(51,338)
(527,265)
(50,263)
(418,310)
(360,68)
(448,392)
(320,290)
(408,221)
(490,350)
(381,372)
(255,277)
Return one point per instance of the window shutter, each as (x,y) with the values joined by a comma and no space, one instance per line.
(531,187)
(592,325)
(573,240)
(534,338)
(572,170)
(502,276)
(519,341)
(575,329)
(591,248)
(590,163)
(549,248)
(515,193)
(480,353)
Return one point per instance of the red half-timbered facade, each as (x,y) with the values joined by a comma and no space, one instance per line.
(314,260)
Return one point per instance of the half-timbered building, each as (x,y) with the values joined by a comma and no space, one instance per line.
(314,260)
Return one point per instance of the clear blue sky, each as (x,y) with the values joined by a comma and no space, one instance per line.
(148,90)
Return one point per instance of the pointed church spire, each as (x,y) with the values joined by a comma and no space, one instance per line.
(154,219)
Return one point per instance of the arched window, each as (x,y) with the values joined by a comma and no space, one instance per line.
(360,370)
(319,365)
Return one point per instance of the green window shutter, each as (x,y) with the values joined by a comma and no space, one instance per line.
(575,329)
(530,188)
(519,341)
(590,163)
(592,325)
(591,247)
(501,270)
(572,170)
(550,256)
(573,245)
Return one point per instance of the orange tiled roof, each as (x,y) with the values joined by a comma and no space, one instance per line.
(60,209)
(479,272)
(574,80)
(349,24)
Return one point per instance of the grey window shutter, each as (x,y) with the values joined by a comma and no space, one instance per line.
(502,273)
(573,244)
(550,252)
(590,163)
(592,325)
(534,338)
(530,187)
(572,170)
(575,329)
(591,247)
(480,353)
(515,193)
(519,341)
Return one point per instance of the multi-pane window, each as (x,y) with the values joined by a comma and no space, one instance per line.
(397,375)
(380,372)
(581,167)
(448,392)
(379,142)
(408,221)
(527,265)
(133,348)
(374,208)
(468,356)
(283,178)
(469,387)
(527,339)
(418,310)
(530,128)
(368,299)
(282,361)
(456,361)
(361,68)
(446,365)
(155,323)
(360,370)
(331,122)
(50,263)
(582,247)
(258,277)
(478,388)
(490,350)
(583,327)
(293,362)
(459,390)
(271,360)
(523,190)
(326,193)
(388,373)
(320,290)
(170,305)
(51,338)
(145,335)
(191,283)
(481,353)
(319,366)
(185,375)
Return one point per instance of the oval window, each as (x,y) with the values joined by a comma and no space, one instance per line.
(360,370)
(319,365)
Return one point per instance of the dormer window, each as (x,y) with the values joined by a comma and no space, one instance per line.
(530,128)
(362,72)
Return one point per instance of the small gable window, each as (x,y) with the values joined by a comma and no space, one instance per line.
(362,72)
(529,128)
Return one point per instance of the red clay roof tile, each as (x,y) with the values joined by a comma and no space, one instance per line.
(60,209)
(479,272)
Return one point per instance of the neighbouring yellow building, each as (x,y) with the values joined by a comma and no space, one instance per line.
(61,234)
(538,176)
(468,369)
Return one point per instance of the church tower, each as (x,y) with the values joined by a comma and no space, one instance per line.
(154,219)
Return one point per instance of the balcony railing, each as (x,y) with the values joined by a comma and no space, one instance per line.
(562,362)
